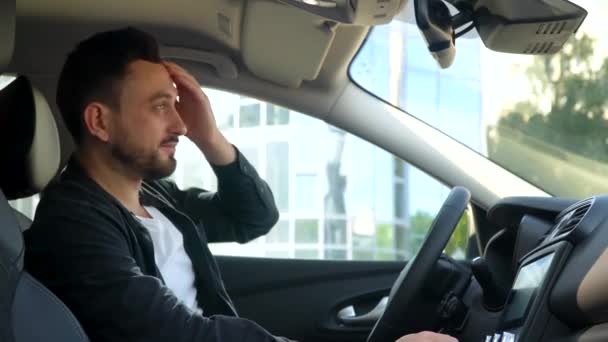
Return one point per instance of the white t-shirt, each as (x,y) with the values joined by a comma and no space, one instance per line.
(171,258)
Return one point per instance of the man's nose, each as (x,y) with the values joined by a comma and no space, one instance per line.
(177,124)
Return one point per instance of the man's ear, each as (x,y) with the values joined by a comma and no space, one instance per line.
(97,120)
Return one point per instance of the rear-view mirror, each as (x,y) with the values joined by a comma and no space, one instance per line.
(527,26)
(513,26)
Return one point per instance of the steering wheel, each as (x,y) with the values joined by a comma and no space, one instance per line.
(400,316)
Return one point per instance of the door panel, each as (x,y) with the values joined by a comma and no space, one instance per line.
(300,299)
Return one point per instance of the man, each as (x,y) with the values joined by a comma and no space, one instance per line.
(123,248)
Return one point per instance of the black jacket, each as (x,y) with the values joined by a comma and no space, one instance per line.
(96,256)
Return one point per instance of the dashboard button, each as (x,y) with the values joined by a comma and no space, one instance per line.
(508,337)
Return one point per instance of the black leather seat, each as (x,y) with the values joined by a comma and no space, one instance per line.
(30,154)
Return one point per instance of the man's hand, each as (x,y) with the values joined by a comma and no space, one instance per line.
(427,336)
(195,110)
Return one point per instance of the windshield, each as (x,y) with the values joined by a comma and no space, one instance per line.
(543,118)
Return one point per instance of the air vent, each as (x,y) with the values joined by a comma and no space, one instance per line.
(532,48)
(539,48)
(551,28)
(574,216)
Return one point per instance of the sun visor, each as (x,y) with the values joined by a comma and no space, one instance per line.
(7,31)
(283,44)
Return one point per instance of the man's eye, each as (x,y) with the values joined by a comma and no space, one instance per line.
(161,106)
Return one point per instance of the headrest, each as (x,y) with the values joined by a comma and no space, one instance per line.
(7,31)
(29,140)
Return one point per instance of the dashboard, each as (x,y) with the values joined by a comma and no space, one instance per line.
(559,290)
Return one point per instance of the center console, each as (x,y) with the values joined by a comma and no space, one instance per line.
(543,278)
(526,311)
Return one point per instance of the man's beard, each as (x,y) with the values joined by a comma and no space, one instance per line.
(144,164)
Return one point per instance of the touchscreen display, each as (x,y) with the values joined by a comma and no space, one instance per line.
(529,278)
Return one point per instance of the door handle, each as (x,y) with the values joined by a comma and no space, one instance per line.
(348,316)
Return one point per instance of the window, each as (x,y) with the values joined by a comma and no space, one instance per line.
(339,197)
(250,115)
(305,192)
(276,115)
(224,105)
(307,231)
(543,118)
(277,168)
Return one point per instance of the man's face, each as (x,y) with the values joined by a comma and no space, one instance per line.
(144,131)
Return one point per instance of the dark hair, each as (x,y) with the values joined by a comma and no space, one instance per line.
(93,71)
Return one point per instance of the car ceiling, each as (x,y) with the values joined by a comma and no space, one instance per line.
(48,29)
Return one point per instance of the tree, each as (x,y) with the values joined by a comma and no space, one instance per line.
(460,238)
(421,222)
(558,140)
(567,109)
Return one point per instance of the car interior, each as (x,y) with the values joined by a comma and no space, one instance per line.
(536,267)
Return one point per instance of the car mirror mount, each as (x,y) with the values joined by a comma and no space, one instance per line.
(531,27)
